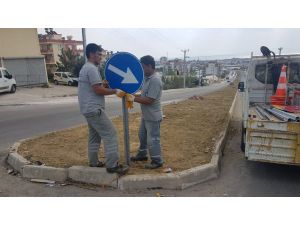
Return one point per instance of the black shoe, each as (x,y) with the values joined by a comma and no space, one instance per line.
(119,169)
(99,164)
(153,165)
(138,158)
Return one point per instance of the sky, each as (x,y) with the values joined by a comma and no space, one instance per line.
(204,43)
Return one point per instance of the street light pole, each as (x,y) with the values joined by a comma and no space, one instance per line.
(84,42)
(184,65)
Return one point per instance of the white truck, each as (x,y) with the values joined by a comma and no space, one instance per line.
(269,134)
(7,82)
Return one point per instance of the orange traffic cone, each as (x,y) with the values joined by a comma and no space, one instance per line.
(280,96)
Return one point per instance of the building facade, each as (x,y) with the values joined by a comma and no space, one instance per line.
(212,68)
(20,54)
(52,44)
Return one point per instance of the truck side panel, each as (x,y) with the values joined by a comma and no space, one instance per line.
(273,142)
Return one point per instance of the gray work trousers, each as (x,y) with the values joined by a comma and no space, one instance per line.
(149,135)
(101,127)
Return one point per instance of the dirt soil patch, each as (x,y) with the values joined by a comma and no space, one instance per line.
(188,134)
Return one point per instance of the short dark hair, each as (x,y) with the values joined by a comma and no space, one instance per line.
(92,48)
(148,60)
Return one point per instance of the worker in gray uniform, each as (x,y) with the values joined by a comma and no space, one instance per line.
(149,131)
(91,92)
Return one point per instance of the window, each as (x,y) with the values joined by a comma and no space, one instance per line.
(65,76)
(5,73)
(274,71)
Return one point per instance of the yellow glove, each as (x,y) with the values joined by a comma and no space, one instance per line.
(120,93)
(129,101)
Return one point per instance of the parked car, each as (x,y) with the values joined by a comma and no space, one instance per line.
(65,78)
(7,82)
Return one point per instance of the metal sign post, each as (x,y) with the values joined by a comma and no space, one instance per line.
(84,42)
(124,71)
(126,131)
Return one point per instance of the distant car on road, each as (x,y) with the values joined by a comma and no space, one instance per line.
(7,82)
(65,78)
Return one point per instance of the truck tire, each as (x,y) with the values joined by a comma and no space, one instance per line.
(55,82)
(70,83)
(13,88)
(243,139)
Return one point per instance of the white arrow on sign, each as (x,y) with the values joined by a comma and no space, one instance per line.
(128,77)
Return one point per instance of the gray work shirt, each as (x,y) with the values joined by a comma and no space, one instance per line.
(89,101)
(152,88)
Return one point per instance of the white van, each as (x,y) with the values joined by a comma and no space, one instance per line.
(7,82)
(65,78)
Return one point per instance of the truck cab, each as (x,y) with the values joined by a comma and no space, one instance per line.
(7,82)
(266,136)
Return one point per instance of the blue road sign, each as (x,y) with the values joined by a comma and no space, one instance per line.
(124,71)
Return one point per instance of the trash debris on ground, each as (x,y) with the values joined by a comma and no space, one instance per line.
(195,97)
(159,195)
(154,188)
(39,163)
(42,181)
(168,170)
(10,171)
(50,185)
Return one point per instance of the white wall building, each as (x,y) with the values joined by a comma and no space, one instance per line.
(212,69)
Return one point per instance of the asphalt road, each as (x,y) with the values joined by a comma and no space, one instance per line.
(238,177)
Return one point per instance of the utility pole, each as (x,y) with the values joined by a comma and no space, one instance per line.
(280,49)
(84,42)
(184,65)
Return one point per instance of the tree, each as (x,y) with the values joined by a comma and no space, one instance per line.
(171,72)
(69,62)
(78,66)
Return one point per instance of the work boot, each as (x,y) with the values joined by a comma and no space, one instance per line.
(99,164)
(119,169)
(153,165)
(138,158)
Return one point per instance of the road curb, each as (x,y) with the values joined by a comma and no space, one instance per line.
(93,175)
(15,160)
(98,176)
(45,173)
